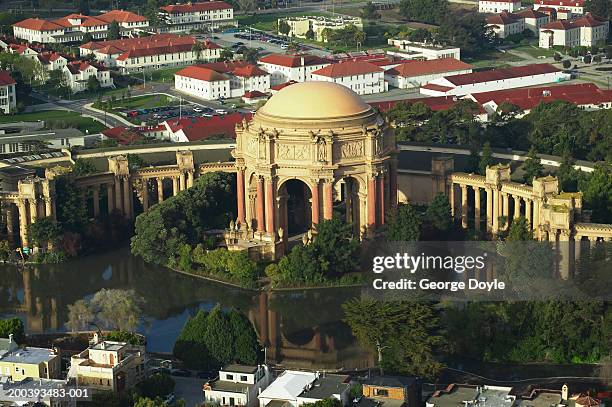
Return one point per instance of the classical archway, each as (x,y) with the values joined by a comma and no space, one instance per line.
(350,202)
(295,207)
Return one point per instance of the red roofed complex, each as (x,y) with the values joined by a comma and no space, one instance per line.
(73,27)
(160,50)
(584,31)
(196,16)
(361,77)
(222,80)
(8,97)
(497,79)
(574,6)
(291,67)
(413,74)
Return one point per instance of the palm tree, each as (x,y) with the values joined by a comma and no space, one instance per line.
(197,50)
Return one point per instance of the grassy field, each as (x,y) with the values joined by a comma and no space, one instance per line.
(493,59)
(534,51)
(145,102)
(57,119)
(265,22)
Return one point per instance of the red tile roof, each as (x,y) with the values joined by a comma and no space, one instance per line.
(38,24)
(201,128)
(238,68)
(585,21)
(419,68)
(123,135)
(435,87)
(282,85)
(528,98)
(293,60)
(503,18)
(249,71)
(348,68)
(195,7)
(530,13)
(121,16)
(254,94)
(503,1)
(202,73)
(501,74)
(6,78)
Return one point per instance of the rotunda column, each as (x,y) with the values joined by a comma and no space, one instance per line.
(489,209)
(315,202)
(260,205)
(464,206)
(517,207)
(160,190)
(528,212)
(476,208)
(240,193)
(371,201)
(328,199)
(393,184)
(96,201)
(23,222)
(270,207)
(381,199)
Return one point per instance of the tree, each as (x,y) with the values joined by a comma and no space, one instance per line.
(246,346)
(310,34)
(557,57)
(486,159)
(586,59)
(438,213)
(80,316)
(93,84)
(468,31)
(87,38)
(226,55)
(83,166)
(116,309)
(71,213)
(156,385)
(404,224)
(532,167)
(599,8)
(197,50)
(135,161)
(370,11)
(84,7)
(12,326)
(152,13)
(568,175)
(247,5)
(567,64)
(327,402)
(45,231)
(335,246)
(114,31)
(420,35)
(597,192)
(402,333)
(284,27)
(424,11)
(519,230)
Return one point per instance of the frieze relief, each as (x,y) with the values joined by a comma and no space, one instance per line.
(352,149)
(292,151)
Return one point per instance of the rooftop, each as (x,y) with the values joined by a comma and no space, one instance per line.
(347,68)
(236,368)
(109,345)
(288,386)
(390,381)
(453,396)
(227,386)
(326,386)
(29,355)
(501,74)
(293,60)
(418,68)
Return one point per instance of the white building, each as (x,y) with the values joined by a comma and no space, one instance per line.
(51,61)
(73,27)
(497,6)
(584,31)
(497,79)
(416,73)
(417,50)
(153,52)
(361,77)
(196,16)
(31,141)
(505,24)
(295,388)
(532,19)
(284,68)
(221,80)
(8,97)
(77,76)
(576,7)
(23,50)
(237,385)
(300,26)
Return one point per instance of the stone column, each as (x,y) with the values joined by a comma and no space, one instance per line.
(528,212)
(393,185)
(109,198)
(577,247)
(182,181)
(160,190)
(371,202)
(9,221)
(464,207)
(260,206)
(381,199)
(477,208)
(96,200)
(315,202)
(270,207)
(23,222)
(240,193)
(564,252)
(189,179)
(33,210)
(489,209)
(175,186)
(495,224)
(451,198)
(506,207)
(127,198)
(536,218)
(118,198)
(328,199)
(145,194)
(517,207)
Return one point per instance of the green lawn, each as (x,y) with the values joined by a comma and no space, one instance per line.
(144,102)
(535,51)
(57,119)
(265,22)
(492,59)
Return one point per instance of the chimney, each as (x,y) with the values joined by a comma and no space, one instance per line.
(564,392)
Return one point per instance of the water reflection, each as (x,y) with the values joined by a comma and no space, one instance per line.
(299,328)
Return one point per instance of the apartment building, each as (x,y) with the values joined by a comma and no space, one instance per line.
(196,16)
(584,31)
(532,19)
(109,365)
(237,385)
(29,362)
(8,96)
(413,74)
(73,27)
(361,77)
(291,67)
(497,6)
(77,75)
(576,7)
(300,26)
(505,24)
(153,52)
(51,61)
(222,80)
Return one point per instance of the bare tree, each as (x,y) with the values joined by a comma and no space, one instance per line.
(79,316)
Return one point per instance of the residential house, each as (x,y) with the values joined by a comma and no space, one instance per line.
(23,50)
(420,50)
(460,394)
(109,365)
(8,96)
(361,77)
(413,74)
(533,19)
(318,25)
(497,6)
(187,17)
(291,67)
(505,24)
(153,52)
(51,61)
(295,388)
(584,31)
(496,79)
(78,74)
(576,7)
(221,80)
(74,27)
(29,362)
(391,391)
(237,385)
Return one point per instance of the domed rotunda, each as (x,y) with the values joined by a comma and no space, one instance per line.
(312,149)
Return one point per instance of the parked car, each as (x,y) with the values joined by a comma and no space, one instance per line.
(220,111)
(197,109)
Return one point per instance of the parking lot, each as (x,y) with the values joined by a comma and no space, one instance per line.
(263,42)
(157,115)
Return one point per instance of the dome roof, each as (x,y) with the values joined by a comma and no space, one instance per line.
(314,100)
